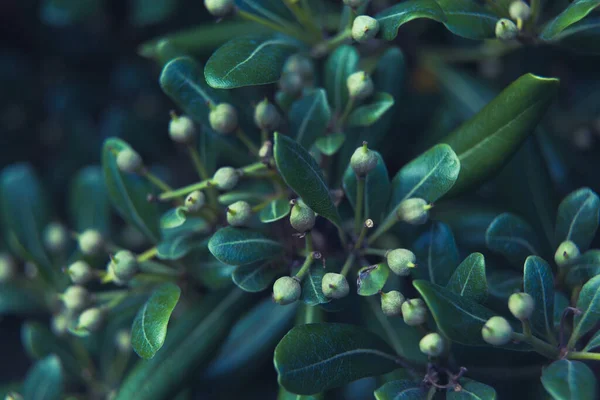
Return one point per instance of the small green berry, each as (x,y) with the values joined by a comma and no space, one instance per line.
(91,242)
(226,178)
(497,331)
(286,290)
(266,116)
(128,160)
(413,211)
(195,201)
(364,28)
(432,345)
(291,84)
(391,303)
(239,213)
(521,305)
(75,297)
(355,3)
(223,118)
(414,312)
(302,217)
(360,85)
(219,8)
(506,29)
(401,261)
(123,340)
(363,160)
(303,66)
(334,286)
(91,319)
(519,10)
(13,396)
(123,266)
(59,324)
(566,252)
(80,272)
(56,237)
(8,267)
(182,129)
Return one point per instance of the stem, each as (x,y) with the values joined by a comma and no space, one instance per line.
(256,167)
(348,264)
(538,345)
(360,195)
(203,174)
(374,252)
(361,238)
(305,267)
(156,181)
(526,328)
(347,110)
(246,140)
(287,30)
(342,236)
(147,255)
(583,355)
(309,243)
(331,44)
(185,190)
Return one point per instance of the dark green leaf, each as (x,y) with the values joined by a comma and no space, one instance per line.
(301,173)
(19,297)
(593,343)
(309,117)
(273,10)
(576,11)
(315,357)
(180,237)
(144,13)
(330,144)
(472,390)
(401,390)
(372,279)
(503,283)
(276,210)
(577,218)
(176,246)
(89,207)
(569,380)
(512,237)
(339,66)
(212,273)
(538,281)
(285,395)
(561,302)
(436,253)
(468,280)
(589,304)
(583,268)
(44,381)
(312,294)
(368,114)
(582,36)
(236,246)
(394,17)
(255,277)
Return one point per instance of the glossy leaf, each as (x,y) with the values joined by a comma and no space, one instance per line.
(89,207)
(236,246)
(538,281)
(401,390)
(436,253)
(512,237)
(589,304)
(44,381)
(486,141)
(394,17)
(309,117)
(330,144)
(276,210)
(342,62)
(576,11)
(315,357)
(150,325)
(212,273)
(248,61)
(368,114)
(578,217)
(371,279)
(255,277)
(566,379)
(304,176)
(468,280)
(503,283)
(472,390)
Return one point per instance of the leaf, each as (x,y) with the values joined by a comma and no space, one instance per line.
(391,19)
(302,174)
(371,279)
(315,357)
(19,297)
(436,254)
(576,11)
(340,64)
(275,210)
(512,237)
(255,277)
(179,240)
(309,117)
(472,390)
(368,114)
(312,294)
(273,10)
(89,206)
(487,140)
(173,218)
(377,189)
(577,218)
(248,61)
(401,390)
(330,144)
(503,283)
(560,304)
(236,246)
(44,381)
(593,343)
(538,282)
(589,304)
(583,268)
(582,36)
(468,280)
(565,380)
(150,324)
(128,193)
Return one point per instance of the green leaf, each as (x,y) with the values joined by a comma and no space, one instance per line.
(512,237)
(236,246)
(391,19)
(179,240)
(312,294)
(582,36)
(583,268)
(566,380)
(330,144)
(212,273)
(255,277)
(589,305)
(561,302)
(173,218)
(538,282)
(372,279)
(309,117)
(304,176)
(44,381)
(576,11)
(436,253)
(315,357)
(276,210)
(593,343)
(486,141)
(577,218)
(401,390)
(342,63)
(468,280)
(248,61)
(128,193)
(368,114)
(19,297)
(377,189)
(273,10)
(472,390)
(503,283)
(89,207)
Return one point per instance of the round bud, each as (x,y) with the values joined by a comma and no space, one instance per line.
(286,290)
(80,272)
(391,303)
(497,331)
(303,66)
(226,178)
(413,211)
(414,312)
(302,217)
(56,237)
(75,297)
(266,116)
(565,253)
(219,8)
(59,324)
(239,213)
(123,340)
(223,118)
(13,396)
(91,319)
(8,267)
(432,345)
(519,10)
(334,286)
(364,28)
(291,84)
(182,129)
(91,242)
(355,3)
(521,305)
(506,29)
(363,160)
(360,85)
(128,160)
(401,261)
(123,266)
(195,201)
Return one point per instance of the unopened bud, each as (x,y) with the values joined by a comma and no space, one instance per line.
(75,297)
(334,286)
(302,217)
(506,29)
(286,290)
(566,252)
(123,340)
(363,160)
(360,85)
(414,312)
(497,331)
(303,66)
(195,201)
(413,211)
(56,237)
(239,213)
(59,324)
(521,305)
(91,242)
(80,272)
(432,345)
(364,28)
(266,116)
(182,129)
(219,8)
(91,319)
(401,261)
(223,118)
(291,84)
(391,303)
(123,266)
(226,178)
(519,10)
(128,160)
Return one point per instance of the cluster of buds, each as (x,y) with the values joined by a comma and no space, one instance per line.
(497,330)
(519,12)
(298,73)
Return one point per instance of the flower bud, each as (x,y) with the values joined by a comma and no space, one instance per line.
(414,312)
(566,252)
(355,3)
(8,267)
(219,8)
(91,242)
(334,286)
(239,213)
(80,272)
(266,116)
(75,297)
(195,201)
(363,160)
(123,266)
(223,118)
(521,305)
(13,396)
(391,303)
(413,211)
(432,345)
(519,10)
(59,324)
(302,217)
(91,319)
(364,28)
(497,331)
(123,340)
(303,66)
(506,29)
(128,160)
(226,178)
(401,261)
(182,129)
(291,84)
(360,85)
(286,290)
(56,237)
